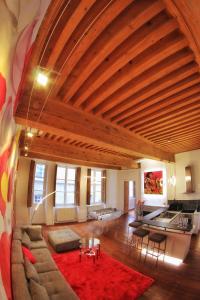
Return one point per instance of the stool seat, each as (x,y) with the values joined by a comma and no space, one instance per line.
(141,232)
(157,237)
(135,224)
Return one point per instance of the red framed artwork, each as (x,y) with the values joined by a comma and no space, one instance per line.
(153,182)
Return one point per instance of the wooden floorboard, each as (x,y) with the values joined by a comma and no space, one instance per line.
(171,282)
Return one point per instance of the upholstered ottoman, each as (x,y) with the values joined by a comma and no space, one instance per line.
(64,240)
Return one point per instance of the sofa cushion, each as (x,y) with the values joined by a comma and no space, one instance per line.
(30,271)
(26,240)
(34,233)
(38,292)
(38,244)
(29,255)
(16,253)
(46,266)
(57,287)
(45,262)
(19,283)
(42,254)
(17,234)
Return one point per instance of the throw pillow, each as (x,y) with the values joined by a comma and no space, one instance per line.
(26,240)
(30,271)
(29,255)
(38,292)
(34,233)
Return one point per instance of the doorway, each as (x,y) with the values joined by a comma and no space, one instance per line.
(129,195)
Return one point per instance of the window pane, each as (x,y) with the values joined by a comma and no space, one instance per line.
(65,184)
(98,187)
(98,175)
(71,174)
(70,198)
(70,188)
(98,197)
(60,186)
(59,198)
(39,171)
(60,173)
(38,185)
(38,195)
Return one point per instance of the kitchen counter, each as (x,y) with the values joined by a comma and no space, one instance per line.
(155,213)
(167,222)
(167,225)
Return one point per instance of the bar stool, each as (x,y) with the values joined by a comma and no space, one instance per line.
(137,238)
(157,239)
(134,225)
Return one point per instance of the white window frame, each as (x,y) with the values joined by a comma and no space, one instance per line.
(44,182)
(65,204)
(93,185)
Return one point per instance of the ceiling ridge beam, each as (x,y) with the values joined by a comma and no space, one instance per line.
(61,119)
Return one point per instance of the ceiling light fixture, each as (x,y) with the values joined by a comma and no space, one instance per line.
(42,78)
(26,147)
(29,134)
(26,154)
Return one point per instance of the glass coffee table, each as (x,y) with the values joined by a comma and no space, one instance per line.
(89,247)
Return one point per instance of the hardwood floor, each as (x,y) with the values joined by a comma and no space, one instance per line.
(171,282)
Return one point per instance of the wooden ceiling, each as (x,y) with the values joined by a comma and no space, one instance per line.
(124,81)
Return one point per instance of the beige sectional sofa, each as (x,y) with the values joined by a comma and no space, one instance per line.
(50,281)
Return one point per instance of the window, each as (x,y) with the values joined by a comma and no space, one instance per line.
(96,186)
(65,186)
(39,183)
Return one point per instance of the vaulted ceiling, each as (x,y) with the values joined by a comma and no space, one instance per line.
(124,82)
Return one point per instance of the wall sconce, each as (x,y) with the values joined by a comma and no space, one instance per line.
(188,179)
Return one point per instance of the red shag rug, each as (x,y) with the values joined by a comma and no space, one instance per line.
(107,279)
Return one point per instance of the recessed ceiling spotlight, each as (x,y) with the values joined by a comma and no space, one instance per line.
(26,147)
(26,154)
(29,134)
(42,78)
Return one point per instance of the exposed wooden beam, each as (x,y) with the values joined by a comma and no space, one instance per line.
(151,81)
(187,14)
(150,59)
(188,95)
(135,16)
(173,127)
(176,115)
(59,159)
(63,120)
(143,38)
(76,15)
(141,100)
(51,148)
(160,126)
(167,109)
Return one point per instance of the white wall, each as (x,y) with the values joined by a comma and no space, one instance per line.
(191,158)
(46,214)
(127,175)
(22,211)
(168,188)
(111,188)
(115,185)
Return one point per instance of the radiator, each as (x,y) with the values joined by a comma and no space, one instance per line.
(65,214)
